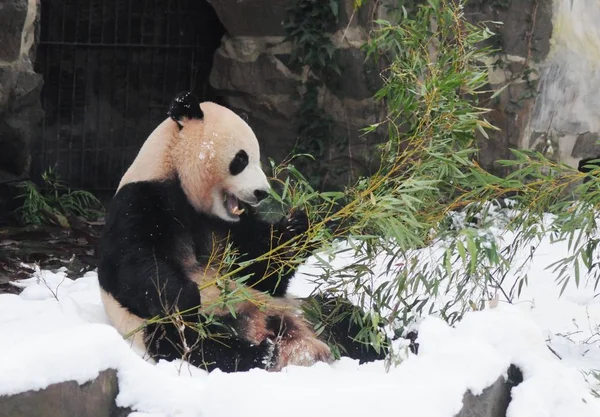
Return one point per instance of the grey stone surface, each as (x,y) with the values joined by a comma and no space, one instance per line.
(252,17)
(20,86)
(586,145)
(520,46)
(67,399)
(252,72)
(253,75)
(13,14)
(360,77)
(492,402)
(265,75)
(518,18)
(20,115)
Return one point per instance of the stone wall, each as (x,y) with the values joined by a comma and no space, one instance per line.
(20,86)
(252,74)
(565,122)
(523,41)
(547,64)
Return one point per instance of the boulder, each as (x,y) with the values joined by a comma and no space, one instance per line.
(252,17)
(20,86)
(20,115)
(264,75)
(68,399)
(253,75)
(360,77)
(586,145)
(492,402)
(521,48)
(13,14)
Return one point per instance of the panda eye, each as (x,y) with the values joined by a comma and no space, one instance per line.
(239,162)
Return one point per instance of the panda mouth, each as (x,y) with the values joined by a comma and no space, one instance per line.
(232,205)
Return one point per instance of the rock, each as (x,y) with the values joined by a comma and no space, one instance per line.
(67,399)
(252,73)
(586,145)
(20,88)
(360,77)
(520,49)
(492,402)
(362,17)
(7,84)
(272,117)
(517,19)
(262,76)
(511,116)
(12,20)
(19,118)
(252,17)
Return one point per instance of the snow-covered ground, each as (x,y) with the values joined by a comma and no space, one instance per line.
(56,330)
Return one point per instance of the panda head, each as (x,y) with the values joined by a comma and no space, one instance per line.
(217,158)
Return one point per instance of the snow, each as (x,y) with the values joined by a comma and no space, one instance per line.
(56,330)
(569,323)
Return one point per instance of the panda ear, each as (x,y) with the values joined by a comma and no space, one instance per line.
(185,106)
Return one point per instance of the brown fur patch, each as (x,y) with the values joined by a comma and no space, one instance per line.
(125,322)
(296,341)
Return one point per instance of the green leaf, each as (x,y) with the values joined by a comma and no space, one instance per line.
(472,252)
(333,4)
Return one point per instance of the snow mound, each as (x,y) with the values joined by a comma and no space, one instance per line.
(56,330)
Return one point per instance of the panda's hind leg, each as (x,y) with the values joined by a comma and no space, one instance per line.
(282,323)
(274,323)
(210,346)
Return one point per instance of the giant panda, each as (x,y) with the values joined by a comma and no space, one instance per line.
(190,191)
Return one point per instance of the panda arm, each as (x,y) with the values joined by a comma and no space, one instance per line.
(142,242)
(255,237)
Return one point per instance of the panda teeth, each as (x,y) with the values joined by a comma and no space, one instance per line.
(232,205)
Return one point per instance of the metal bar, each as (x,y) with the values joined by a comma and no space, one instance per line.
(112,45)
(140,66)
(166,57)
(111,141)
(179,66)
(58,110)
(44,55)
(128,99)
(84,151)
(126,126)
(74,89)
(151,74)
(98,103)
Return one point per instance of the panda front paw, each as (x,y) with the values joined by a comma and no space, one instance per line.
(296,223)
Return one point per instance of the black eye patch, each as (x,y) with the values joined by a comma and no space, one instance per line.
(239,162)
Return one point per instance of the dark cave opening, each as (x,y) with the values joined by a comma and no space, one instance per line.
(110,69)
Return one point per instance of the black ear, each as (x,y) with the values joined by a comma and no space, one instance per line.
(185,106)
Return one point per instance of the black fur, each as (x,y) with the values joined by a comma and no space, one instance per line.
(587,165)
(143,246)
(339,329)
(254,237)
(239,163)
(185,106)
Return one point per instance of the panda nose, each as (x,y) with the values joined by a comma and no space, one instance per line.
(260,195)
